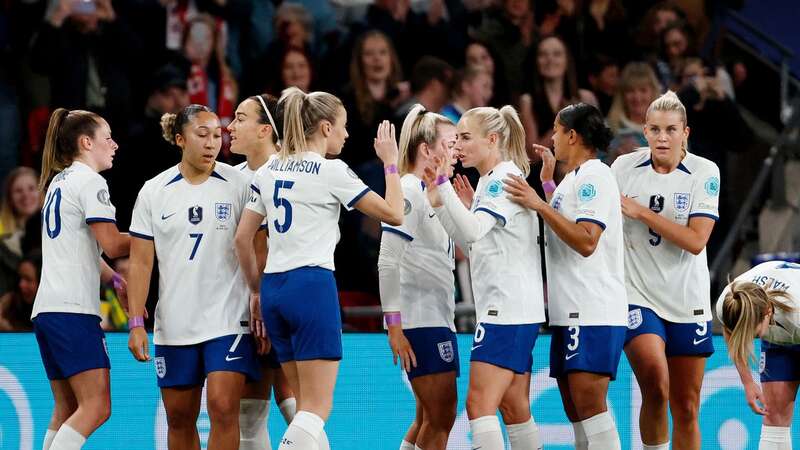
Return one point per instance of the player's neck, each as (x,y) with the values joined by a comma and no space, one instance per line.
(84,160)
(259,157)
(577,158)
(489,163)
(667,166)
(192,174)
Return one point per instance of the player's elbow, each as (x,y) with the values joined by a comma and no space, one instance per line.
(586,249)
(394,219)
(696,249)
(118,247)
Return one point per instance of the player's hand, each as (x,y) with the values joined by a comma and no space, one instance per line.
(548,162)
(256,320)
(263,345)
(631,208)
(464,190)
(138,344)
(520,192)
(401,348)
(121,288)
(385,143)
(755,399)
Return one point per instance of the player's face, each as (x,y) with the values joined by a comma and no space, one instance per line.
(245,128)
(561,138)
(28,281)
(102,149)
(665,132)
(445,142)
(24,195)
(202,141)
(338,133)
(472,147)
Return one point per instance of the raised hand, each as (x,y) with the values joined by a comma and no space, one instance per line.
(385,143)
(463,190)
(548,162)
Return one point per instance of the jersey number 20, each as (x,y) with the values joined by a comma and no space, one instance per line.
(53,201)
(282,202)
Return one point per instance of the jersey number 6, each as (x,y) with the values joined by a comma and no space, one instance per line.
(280,201)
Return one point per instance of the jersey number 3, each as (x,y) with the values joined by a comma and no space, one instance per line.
(282,202)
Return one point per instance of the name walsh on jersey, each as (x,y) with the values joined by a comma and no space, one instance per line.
(295,165)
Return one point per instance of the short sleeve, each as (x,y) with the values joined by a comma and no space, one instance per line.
(142,220)
(594,196)
(705,193)
(494,201)
(96,201)
(255,202)
(415,209)
(345,185)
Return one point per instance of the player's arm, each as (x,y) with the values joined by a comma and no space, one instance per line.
(393,247)
(141,268)
(691,237)
(249,225)
(261,247)
(582,236)
(113,243)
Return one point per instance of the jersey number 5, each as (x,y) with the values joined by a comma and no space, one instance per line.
(282,202)
(53,202)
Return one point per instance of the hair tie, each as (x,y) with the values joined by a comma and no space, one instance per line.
(269,116)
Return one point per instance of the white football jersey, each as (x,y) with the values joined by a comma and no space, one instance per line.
(70,281)
(427,285)
(505,264)
(658,274)
(300,198)
(587,290)
(782,276)
(202,292)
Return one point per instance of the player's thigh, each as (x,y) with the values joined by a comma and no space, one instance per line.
(779,397)
(648,361)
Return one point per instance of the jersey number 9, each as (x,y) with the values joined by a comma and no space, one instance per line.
(282,202)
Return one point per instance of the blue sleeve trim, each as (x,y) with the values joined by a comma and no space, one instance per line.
(140,235)
(710,216)
(493,214)
(253,187)
(403,235)
(358,197)
(594,221)
(263,226)
(91,220)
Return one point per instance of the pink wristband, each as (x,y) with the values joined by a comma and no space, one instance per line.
(392,318)
(135,321)
(549,186)
(391,168)
(441,179)
(116,280)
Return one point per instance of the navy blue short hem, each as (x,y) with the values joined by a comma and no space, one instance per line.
(436,351)
(779,362)
(70,343)
(680,339)
(506,346)
(588,348)
(189,365)
(301,312)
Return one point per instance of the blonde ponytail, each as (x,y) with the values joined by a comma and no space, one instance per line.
(302,114)
(743,309)
(61,140)
(514,141)
(505,122)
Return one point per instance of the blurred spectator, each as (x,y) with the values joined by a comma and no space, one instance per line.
(472,88)
(16,306)
(553,85)
(21,203)
(677,44)
(638,87)
(211,81)
(509,31)
(146,154)
(478,54)
(653,24)
(604,30)
(296,70)
(430,86)
(375,90)
(87,52)
(603,77)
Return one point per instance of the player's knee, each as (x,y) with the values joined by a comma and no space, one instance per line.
(477,404)
(100,408)
(515,410)
(442,417)
(223,409)
(778,415)
(684,412)
(181,419)
(655,389)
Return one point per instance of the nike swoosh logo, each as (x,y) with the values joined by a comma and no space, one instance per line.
(476,346)
(431,216)
(229,359)
(568,357)
(696,342)
(163,217)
